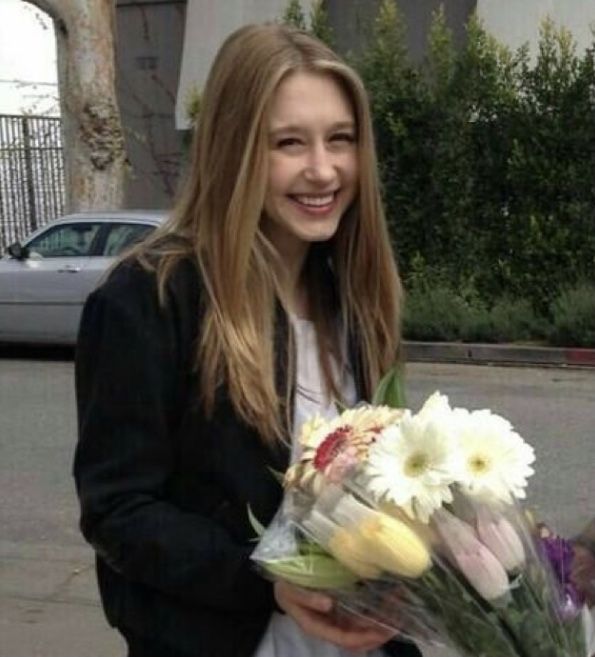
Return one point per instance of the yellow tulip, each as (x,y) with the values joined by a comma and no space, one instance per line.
(366,541)
(352,550)
(394,547)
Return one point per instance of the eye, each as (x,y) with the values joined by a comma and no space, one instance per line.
(288,142)
(345,137)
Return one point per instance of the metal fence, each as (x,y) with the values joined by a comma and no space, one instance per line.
(32,187)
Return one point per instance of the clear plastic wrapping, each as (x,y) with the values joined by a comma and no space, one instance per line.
(414,522)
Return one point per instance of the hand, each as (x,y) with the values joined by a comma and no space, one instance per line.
(315,615)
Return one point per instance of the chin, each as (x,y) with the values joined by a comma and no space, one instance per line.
(318,236)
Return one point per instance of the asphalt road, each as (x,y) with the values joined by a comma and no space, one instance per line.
(48,598)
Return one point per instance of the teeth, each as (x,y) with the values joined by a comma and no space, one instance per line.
(315,201)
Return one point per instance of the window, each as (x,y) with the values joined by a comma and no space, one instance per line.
(121,236)
(69,240)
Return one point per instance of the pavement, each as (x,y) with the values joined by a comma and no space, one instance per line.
(48,593)
(49,604)
(499,354)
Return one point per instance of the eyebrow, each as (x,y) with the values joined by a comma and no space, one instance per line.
(341,125)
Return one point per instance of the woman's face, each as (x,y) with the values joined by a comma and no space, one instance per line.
(313,163)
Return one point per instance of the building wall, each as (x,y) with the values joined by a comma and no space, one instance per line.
(353,20)
(208,23)
(514,22)
(166,47)
(149,49)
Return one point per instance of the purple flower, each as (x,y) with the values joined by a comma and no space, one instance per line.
(560,553)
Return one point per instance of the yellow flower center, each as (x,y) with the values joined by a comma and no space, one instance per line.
(416,464)
(478,464)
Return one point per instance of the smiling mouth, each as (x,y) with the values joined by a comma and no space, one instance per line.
(314,201)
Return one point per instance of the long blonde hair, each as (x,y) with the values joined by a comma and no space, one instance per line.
(218,216)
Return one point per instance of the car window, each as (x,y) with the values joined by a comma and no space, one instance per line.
(67,240)
(122,236)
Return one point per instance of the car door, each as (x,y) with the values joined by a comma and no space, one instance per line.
(50,286)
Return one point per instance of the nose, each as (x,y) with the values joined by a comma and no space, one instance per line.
(320,167)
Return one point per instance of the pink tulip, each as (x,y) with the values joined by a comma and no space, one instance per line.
(498,534)
(484,572)
(480,567)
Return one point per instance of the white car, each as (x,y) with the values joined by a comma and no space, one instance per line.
(45,281)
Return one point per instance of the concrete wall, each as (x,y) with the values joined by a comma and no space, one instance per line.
(208,23)
(514,22)
(166,47)
(353,21)
(149,49)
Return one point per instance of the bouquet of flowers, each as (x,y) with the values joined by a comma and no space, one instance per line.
(414,521)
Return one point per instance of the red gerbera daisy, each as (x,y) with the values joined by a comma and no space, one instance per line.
(332,445)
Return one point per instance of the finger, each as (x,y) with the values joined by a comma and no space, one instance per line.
(378,636)
(324,628)
(376,641)
(353,621)
(310,599)
(364,641)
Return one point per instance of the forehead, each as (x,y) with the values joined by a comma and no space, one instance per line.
(305,97)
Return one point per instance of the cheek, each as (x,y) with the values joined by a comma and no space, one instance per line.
(349,165)
(280,175)
(276,190)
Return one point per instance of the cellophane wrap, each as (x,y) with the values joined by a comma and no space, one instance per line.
(416,522)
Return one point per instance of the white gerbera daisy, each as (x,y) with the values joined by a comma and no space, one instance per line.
(495,461)
(411,464)
(435,407)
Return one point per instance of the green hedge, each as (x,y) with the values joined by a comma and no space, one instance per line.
(487,158)
(573,317)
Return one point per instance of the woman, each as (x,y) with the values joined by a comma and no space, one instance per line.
(190,366)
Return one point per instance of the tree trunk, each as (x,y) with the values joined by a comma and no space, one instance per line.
(94,153)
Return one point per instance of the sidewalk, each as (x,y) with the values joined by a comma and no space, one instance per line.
(49,604)
(498,354)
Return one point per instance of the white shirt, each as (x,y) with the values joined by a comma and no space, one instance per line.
(283,637)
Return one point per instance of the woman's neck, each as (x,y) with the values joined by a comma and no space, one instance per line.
(293,256)
(299,302)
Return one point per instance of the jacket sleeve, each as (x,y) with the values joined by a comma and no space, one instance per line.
(129,375)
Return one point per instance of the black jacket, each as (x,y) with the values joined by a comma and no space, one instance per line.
(164,491)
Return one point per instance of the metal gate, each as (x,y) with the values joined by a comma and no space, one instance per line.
(32,187)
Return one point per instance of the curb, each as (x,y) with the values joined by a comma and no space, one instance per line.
(500,354)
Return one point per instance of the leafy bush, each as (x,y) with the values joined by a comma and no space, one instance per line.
(573,317)
(443,314)
(515,320)
(318,20)
(487,161)
(436,314)
(434,310)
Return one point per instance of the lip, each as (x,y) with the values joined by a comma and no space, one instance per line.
(315,210)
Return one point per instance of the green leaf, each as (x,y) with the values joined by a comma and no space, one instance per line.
(341,408)
(319,23)
(257,526)
(294,15)
(279,476)
(391,390)
(312,571)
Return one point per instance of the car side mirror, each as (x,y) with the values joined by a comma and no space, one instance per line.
(18,251)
